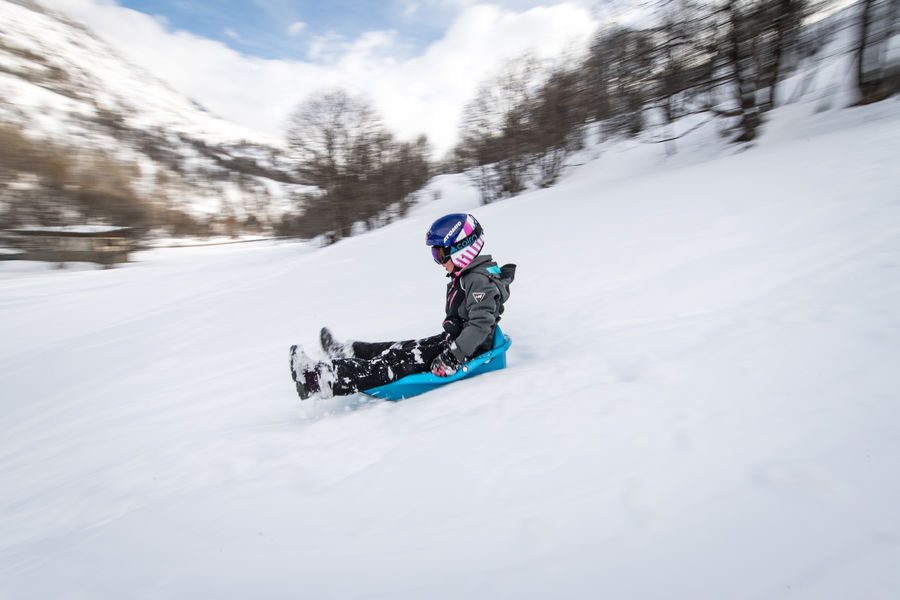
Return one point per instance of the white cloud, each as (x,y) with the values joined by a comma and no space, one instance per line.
(423,93)
(232,34)
(296,28)
(410,7)
(322,47)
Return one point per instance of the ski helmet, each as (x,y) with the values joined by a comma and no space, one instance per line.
(457,236)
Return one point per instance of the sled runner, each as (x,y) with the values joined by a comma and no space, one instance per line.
(419,383)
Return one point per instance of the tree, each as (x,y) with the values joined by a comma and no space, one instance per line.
(786,17)
(756,35)
(875,80)
(343,149)
(558,112)
(333,135)
(497,140)
(618,69)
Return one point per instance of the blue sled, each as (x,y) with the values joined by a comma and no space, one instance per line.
(419,383)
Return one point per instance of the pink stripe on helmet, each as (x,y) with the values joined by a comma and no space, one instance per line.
(473,250)
(464,257)
(468,228)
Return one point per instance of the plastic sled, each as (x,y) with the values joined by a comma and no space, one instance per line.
(419,383)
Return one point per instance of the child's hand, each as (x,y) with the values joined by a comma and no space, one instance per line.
(445,364)
(452,326)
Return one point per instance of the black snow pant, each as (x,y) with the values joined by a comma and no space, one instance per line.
(379,363)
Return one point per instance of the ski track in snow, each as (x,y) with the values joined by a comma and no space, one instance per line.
(701,399)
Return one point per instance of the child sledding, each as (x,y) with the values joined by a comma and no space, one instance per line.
(476,294)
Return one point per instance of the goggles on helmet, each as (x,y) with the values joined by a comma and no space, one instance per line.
(440,254)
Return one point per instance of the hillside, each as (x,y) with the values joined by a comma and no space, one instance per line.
(69,92)
(700,400)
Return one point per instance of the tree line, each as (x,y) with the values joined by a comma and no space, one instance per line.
(46,183)
(722,58)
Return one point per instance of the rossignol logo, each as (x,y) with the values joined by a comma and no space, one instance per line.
(452,231)
(478,296)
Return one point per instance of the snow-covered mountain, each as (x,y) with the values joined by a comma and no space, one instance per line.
(58,82)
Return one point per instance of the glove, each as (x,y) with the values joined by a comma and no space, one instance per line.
(452,326)
(445,364)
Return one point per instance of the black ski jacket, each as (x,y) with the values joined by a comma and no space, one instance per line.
(475,298)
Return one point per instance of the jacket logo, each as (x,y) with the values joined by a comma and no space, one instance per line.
(479,296)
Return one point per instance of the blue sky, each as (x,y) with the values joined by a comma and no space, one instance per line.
(263,27)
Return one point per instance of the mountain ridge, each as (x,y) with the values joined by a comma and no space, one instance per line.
(60,83)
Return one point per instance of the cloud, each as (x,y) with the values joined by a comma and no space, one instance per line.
(431,90)
(422,92)
(410,7)
(232,33)
(333,48)
(296,28)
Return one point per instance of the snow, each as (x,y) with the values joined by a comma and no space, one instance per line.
(77,229)
(63,84)
(700,402)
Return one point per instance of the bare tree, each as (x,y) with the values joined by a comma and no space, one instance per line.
(343,149)
(757,36)
(785,17)
(618,69)
(878,24)
(332,134)
(559,111)
(497,141)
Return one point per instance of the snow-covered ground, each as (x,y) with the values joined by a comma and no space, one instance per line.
(61,83)
(701,399)
(97,79)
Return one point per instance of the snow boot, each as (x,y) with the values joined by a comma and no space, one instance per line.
(311,378)
(333,348)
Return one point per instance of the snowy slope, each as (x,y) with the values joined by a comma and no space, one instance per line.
(701,399)
(59,82)
(63,56)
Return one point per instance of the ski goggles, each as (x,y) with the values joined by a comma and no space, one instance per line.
(440,254)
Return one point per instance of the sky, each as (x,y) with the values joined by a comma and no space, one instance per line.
(419,61)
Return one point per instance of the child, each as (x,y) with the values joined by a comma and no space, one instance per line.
(475,296)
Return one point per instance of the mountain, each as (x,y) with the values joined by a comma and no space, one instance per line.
(63,88)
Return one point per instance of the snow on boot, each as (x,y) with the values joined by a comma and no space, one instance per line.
(303,372)
(311,378)
(297,358)
(325,379)
(333,348)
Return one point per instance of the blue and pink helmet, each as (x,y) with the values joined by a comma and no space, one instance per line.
(458,237)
